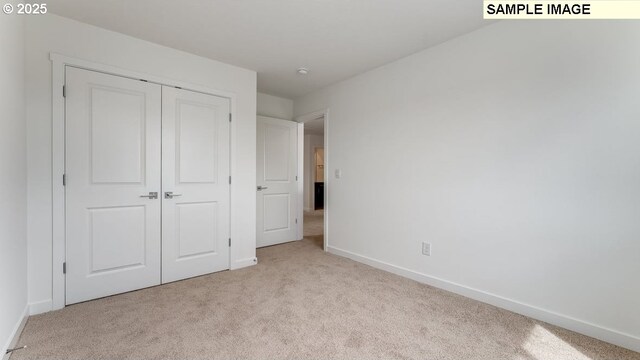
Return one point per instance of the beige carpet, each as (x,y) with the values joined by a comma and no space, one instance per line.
(299,303)
(314,227)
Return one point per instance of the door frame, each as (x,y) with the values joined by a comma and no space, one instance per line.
(302,119)
(59,63)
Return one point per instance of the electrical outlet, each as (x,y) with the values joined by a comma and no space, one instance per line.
(426,249)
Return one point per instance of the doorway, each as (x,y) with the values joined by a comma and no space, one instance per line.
(314,189)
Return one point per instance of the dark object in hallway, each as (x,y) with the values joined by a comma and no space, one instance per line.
(318,195)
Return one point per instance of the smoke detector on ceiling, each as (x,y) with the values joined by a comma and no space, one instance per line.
(302,71)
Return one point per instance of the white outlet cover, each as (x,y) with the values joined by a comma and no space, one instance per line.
(426,249)
(338,173)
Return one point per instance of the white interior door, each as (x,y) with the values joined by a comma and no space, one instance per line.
(195,184)
(276,180)
(112,161)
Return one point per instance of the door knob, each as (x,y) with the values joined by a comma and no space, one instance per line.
(152,195)
(260,188)
(170,195)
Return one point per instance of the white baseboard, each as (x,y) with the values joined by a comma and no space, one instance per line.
(15,333)
(242,263)
(611,336)
(40,307)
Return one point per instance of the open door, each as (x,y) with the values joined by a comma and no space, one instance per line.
(277,181)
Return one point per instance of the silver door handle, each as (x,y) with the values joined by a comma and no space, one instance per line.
(170,195)
(260,188)
(152,195)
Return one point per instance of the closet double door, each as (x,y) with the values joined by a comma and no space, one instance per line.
(146,184)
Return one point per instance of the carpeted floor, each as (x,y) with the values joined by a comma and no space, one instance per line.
(299,302)
(314,227)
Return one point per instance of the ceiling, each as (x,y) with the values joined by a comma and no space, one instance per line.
(335,39)
(314,127)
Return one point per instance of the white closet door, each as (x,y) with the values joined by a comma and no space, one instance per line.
(276,178)
(195,181)
(113,136)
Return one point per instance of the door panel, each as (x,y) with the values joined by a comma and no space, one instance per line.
(277,213)
(276,179)
(277,157)
(196,228)
(117,247)
(112,158)
(196,126)
(195,155)
(117,117)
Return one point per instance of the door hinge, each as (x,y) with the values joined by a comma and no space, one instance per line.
(64,179)
(64,91)
(296,177)
(229,180)
(64,267)
(229,117)
(229,242)
(296,220)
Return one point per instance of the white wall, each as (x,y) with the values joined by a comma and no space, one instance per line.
(13,181)
(311,142)
(515,151)
(274,106)
(52,33)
